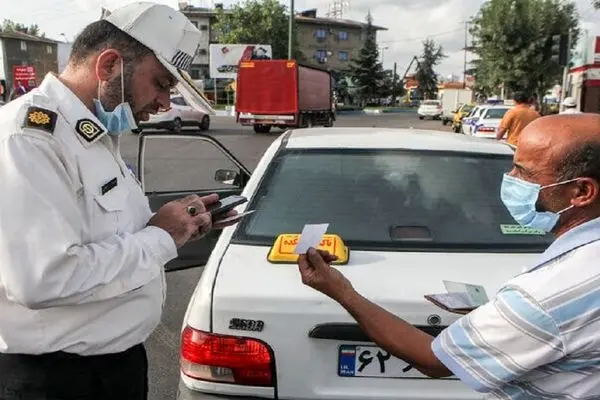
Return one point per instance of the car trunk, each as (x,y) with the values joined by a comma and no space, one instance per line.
(249,287)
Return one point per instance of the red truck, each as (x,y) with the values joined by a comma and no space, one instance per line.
(284,94)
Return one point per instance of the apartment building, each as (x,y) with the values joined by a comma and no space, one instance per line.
(330,42)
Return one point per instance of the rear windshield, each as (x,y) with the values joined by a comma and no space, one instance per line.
(430,103)
(467,109)
(495,113)
(389,200)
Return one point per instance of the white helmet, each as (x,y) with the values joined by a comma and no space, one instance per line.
(569,102)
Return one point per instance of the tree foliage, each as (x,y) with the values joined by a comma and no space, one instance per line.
(257,22)
(432,55)
(366,71)
(511,39)
(596,4)
(11,26)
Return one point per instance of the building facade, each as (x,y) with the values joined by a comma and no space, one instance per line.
(19,50)
(204,19)
(325,42)
(330,43)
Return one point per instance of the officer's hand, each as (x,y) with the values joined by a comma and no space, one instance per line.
(185,219)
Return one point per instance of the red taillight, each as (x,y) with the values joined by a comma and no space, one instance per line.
(486,129)
(226,359)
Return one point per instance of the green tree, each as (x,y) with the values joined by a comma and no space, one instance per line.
(596,4)
(426,76)
(511,39)
(11,26)
(257,22)
(366,71)
(388,88)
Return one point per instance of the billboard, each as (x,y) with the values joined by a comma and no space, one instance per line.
(224,58)
(24,74)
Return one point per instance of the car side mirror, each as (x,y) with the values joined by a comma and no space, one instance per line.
(226,176)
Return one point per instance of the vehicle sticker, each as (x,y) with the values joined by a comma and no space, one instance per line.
(520,230)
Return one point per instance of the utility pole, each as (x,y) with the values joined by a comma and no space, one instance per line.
(291,30)
(563,92)
(465,60)
(394,86)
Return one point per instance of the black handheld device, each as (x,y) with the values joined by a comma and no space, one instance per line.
(225,205)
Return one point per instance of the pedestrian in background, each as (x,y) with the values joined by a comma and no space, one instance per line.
(540,337)
(570,106)
(82,255)
(516,119)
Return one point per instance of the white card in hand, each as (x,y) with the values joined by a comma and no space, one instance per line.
(311,237)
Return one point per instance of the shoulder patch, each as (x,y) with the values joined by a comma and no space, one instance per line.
(88,129)
(40,118)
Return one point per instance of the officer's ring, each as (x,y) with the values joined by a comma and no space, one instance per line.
(191,210)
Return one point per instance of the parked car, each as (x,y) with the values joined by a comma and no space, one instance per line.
(179,115)
(430,109)
(489,121)
(253,329)
(469,120)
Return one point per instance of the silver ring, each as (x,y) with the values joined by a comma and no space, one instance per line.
(191,210)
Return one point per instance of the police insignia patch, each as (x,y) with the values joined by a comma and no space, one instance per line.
(40,118)
(88,129)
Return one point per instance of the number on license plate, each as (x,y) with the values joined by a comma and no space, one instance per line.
(373,362)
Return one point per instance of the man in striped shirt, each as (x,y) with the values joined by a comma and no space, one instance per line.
(540,337)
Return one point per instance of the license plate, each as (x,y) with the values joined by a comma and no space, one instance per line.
(372,362)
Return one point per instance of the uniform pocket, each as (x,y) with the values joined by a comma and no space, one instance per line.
(110,215)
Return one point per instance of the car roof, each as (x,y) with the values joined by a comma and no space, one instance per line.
(393,138)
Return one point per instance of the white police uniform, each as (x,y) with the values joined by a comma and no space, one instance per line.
(80,271)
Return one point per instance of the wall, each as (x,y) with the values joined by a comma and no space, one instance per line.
(63,50)
(2,63)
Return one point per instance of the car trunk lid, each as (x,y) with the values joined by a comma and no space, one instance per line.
(313,338)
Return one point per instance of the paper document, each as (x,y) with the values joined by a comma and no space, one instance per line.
(476,293)
(310,237)
(234,218)
(452,300)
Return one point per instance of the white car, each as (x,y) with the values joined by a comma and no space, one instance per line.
(486,126)
(430,109)
(469,120)
(413,207)
(179,115)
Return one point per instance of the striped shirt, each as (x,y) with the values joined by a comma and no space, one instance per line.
(540,337)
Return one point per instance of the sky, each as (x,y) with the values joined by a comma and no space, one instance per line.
(409,22)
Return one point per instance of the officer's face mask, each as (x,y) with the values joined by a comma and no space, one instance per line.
(520,198)
(119,120)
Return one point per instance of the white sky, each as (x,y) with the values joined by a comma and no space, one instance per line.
(408,21)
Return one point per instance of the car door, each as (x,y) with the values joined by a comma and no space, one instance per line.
(172,166)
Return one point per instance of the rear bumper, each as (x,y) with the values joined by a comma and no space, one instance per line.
(184,393)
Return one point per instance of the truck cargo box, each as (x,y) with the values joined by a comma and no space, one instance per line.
(281,87)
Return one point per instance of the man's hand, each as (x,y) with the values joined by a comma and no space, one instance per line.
(319,275)
(175,218)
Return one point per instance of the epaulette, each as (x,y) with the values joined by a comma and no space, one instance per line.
(40,118)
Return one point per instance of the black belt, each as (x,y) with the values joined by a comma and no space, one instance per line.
(64,356)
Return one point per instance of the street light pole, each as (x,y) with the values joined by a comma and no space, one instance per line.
(291,30)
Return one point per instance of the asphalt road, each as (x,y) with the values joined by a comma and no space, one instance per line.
(176,164)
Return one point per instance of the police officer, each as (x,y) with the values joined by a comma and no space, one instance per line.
(81,254)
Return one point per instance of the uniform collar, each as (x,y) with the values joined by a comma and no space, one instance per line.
(576,237)
(88,128)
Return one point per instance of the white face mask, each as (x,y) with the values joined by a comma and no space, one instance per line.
(119,120)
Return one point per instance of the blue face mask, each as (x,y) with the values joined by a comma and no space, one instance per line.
(520,198)
(119,120)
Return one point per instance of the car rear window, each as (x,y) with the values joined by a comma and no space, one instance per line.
(495,113)
(389,200)
(431,103)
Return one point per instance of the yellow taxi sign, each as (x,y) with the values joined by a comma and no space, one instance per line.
(282,251)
